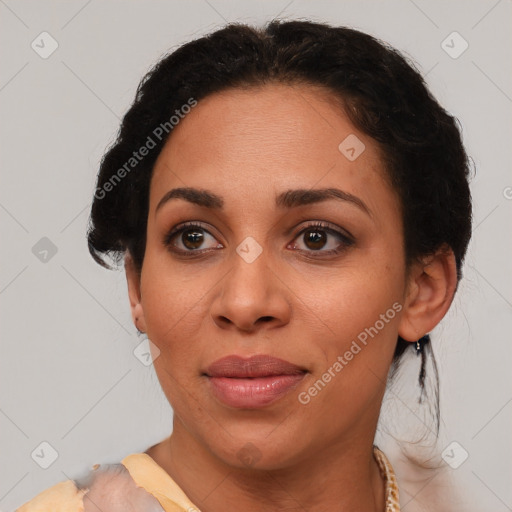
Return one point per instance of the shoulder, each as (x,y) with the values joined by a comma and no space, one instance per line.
(62,497)
(138,481)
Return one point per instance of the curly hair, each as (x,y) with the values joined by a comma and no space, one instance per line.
(381,91)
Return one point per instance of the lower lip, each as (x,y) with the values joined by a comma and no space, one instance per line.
(253,393)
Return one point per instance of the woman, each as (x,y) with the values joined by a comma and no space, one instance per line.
(293,211)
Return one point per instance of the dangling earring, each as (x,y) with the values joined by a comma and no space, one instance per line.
(420,344)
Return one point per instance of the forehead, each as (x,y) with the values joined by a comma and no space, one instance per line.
(267,138)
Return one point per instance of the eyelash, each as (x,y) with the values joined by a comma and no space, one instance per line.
(346,239)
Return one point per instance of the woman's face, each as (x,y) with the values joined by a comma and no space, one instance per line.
(256,277)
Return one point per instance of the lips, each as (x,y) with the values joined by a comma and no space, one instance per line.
(252,382)
(255,366)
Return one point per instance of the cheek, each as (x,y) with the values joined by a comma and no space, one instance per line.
(172,309)
(173,306)
(359,314)
(357,296)
(365,305)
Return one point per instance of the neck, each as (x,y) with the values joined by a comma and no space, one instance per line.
(346,477)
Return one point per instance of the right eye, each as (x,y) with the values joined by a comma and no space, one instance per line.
(188,238)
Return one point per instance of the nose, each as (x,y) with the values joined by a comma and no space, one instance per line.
(252,296)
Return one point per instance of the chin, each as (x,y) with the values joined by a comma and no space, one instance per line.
(258,452)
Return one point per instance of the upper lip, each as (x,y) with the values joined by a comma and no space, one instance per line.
(250,367)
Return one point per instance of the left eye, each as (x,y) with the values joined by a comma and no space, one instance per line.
(321,238)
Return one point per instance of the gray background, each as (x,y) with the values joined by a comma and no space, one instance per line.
(69,376)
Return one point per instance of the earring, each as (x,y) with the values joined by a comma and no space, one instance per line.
(420,344)
(137,326)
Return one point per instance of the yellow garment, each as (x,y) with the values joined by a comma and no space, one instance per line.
(147,474)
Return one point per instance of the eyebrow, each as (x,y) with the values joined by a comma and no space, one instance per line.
(288,199)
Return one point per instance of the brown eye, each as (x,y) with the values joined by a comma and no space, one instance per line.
(322,239)
(192,238)
(315,238)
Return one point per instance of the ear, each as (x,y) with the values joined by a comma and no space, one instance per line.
(431,286)
(134,294)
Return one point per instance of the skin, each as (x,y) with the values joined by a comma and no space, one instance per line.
(294,301)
